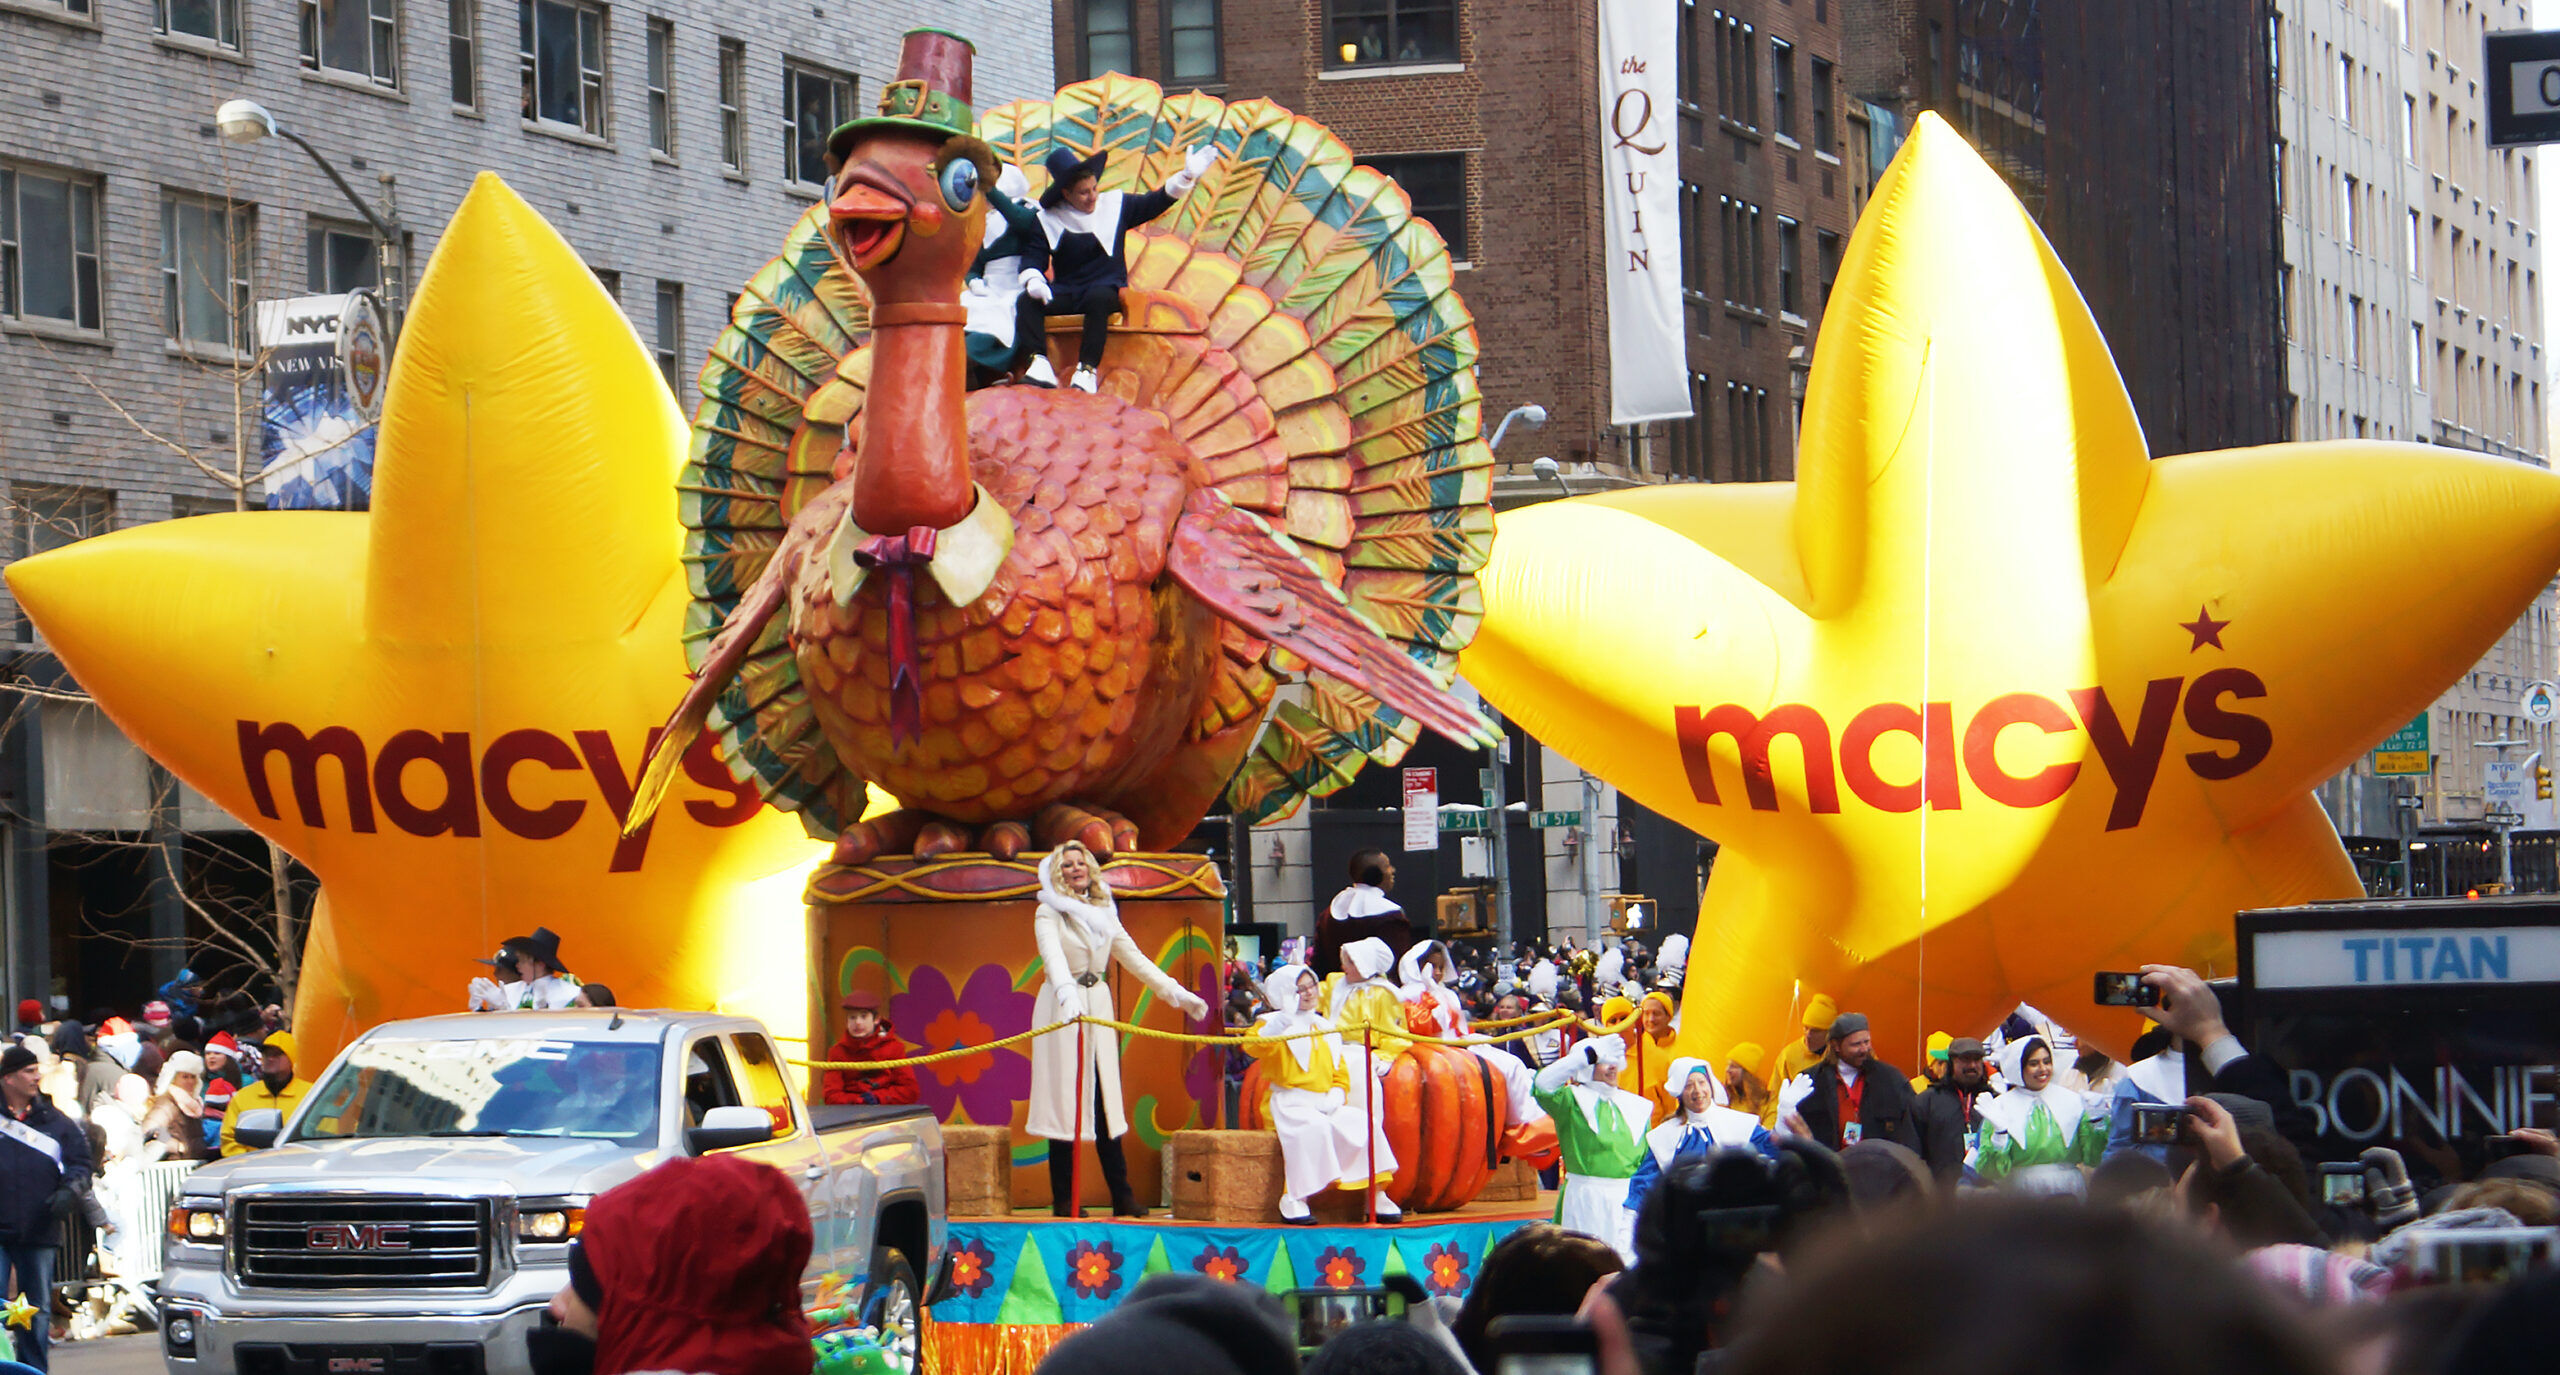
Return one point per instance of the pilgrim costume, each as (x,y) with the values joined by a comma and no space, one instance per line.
(1446,1017)
(1601,1130)
(1087,257)
(550,993)
(1692,1135)
(2025,1129)
(1078,939)
(1316,1104)
(1008,288)
(1367,1008)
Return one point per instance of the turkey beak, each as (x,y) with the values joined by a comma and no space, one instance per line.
(868,216)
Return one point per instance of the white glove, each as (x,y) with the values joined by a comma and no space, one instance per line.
(484,994)
(1194,166)
(1035,286)
(1192,1006)
(1070,999)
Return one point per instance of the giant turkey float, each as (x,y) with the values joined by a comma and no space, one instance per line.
(1035,615)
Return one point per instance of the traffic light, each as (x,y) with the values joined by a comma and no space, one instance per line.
(2542,782)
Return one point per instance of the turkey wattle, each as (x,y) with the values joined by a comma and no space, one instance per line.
(1033,615)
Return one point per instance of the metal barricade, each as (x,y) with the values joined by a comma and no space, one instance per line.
(100,1280)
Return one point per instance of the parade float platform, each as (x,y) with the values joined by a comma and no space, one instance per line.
(1022,1283)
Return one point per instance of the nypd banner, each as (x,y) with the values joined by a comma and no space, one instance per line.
(1640,192)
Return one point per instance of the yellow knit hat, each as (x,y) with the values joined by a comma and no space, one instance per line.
(1821,1013)
(1938,1043)
(1748,1055)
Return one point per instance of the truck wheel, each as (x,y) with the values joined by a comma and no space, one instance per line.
(892,1309)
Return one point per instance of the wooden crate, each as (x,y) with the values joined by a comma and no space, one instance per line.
(977,1171)
(1513,1182)
(1225,1176)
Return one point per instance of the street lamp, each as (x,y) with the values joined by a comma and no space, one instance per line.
(1533,414)
(1553,472)
(246,121)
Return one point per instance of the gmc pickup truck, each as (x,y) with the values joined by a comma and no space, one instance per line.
(415,1215)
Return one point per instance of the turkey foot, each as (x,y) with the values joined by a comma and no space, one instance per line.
(927,836)
(1106,833)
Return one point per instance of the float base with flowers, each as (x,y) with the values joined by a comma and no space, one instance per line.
(947,944)
(1020,1286)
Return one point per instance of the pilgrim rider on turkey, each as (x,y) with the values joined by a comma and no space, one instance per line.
(1085,225)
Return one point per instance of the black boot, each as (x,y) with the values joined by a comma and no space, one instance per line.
(1062,1172)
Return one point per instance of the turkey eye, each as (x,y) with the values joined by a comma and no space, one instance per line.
(960,183)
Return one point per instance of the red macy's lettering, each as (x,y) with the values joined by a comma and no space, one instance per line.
(2132,761)
(463,792)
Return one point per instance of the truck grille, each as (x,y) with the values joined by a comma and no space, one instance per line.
(362,1242)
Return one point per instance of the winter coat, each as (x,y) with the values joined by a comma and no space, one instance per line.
(1884,1112)
(896,1084)
(1076,960)
(181,1133)
(36,1189)
(251,1098)
(1948,1119)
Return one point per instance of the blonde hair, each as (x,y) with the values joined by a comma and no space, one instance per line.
(1096,888)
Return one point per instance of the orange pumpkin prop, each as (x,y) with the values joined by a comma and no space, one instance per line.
(1445,1116)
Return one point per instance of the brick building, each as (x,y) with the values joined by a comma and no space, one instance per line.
(670,141)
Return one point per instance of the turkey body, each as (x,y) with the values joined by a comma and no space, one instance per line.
(1079,672)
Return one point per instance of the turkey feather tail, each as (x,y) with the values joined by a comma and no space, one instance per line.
(737,639)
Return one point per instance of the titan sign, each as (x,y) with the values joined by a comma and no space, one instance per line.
(2131,757)
(469,783)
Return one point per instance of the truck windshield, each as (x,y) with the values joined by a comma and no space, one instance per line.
(499,1086)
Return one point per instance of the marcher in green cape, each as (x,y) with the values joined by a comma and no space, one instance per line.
(1600,1129)
(2037,1122)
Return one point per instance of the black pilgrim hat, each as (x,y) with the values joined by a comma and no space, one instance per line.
(1064,168)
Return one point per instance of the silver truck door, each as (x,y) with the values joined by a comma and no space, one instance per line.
(794,1150)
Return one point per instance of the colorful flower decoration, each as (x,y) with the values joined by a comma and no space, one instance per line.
(973,1268)
(984,1086)
(1220,1263)
(1340,1267)
(1444,1271)
(1093,1269)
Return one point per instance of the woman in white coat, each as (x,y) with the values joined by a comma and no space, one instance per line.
(1077,927)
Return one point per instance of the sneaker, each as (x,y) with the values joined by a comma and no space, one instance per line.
(1294,1212)
(1086,380)
(1387,1212)
(1040,373)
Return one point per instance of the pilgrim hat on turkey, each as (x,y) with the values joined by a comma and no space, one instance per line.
(930,95)
(1065,170)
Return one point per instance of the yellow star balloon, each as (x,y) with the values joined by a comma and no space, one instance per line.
(1989,699)
(18,1312)
(442,705)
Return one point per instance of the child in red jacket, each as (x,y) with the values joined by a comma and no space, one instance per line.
(867,1037)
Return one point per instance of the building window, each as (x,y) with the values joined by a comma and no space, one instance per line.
(46,517)
(1110,40)
(1692,87)
(1826,253)
(1937,63)
(662,82)
(2418,357)
(1782,87)
(561,43)
(1737,75)
(668,343)
(2355,331)
(357,37)
(206,248)
(212,21)
(1746,418)
(1742,252)
(610,280)
(1825,136)
(1693,439)
(2350,222)
(814,102)
(1693,240)
(340,258)
(1790,266)
(733,105)
(49,247)
(1437,185)
(1191,37)
(1375,31)
(462,51)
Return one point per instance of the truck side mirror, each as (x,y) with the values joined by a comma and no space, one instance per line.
(723,1128)
(258,1127)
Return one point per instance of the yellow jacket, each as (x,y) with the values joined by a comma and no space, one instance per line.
(1280,1068)
(255,1095)
(1375,1009)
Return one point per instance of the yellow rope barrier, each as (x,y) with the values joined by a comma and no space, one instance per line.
(1546,1021)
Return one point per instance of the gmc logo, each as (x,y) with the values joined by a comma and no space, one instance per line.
(348,1236)
(356,1365)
